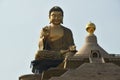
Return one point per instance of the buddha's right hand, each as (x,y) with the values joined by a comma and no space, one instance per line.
(45,32)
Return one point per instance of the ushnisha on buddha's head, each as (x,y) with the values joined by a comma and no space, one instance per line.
(56,15)
(90,28)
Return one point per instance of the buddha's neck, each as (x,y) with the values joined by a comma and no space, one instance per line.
(55,26)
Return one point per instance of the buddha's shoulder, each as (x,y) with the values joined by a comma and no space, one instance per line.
(66,29)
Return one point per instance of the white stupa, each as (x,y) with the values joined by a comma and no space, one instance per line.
(91,48)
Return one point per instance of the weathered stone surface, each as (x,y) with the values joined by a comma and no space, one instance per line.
(53,72)
(92,71)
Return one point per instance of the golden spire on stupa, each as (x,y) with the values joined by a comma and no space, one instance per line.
(90,28)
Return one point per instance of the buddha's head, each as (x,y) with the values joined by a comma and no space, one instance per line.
(56,15)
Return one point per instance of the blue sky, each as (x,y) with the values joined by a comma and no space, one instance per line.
(22,20)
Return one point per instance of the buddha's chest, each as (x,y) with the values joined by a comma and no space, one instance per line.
(56,34)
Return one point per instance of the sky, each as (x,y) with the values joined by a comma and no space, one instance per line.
(22,20)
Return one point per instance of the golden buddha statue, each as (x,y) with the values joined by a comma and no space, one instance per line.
(56,42)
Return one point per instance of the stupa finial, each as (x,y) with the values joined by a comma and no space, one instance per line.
(90,27)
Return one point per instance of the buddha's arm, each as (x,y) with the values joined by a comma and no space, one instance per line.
(43,38)
(70,39)
(41,44)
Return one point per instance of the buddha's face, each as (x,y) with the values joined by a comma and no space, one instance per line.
(56,17)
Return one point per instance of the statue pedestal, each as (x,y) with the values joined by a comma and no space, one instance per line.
(56,72)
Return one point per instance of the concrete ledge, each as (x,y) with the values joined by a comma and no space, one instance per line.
(30,77)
